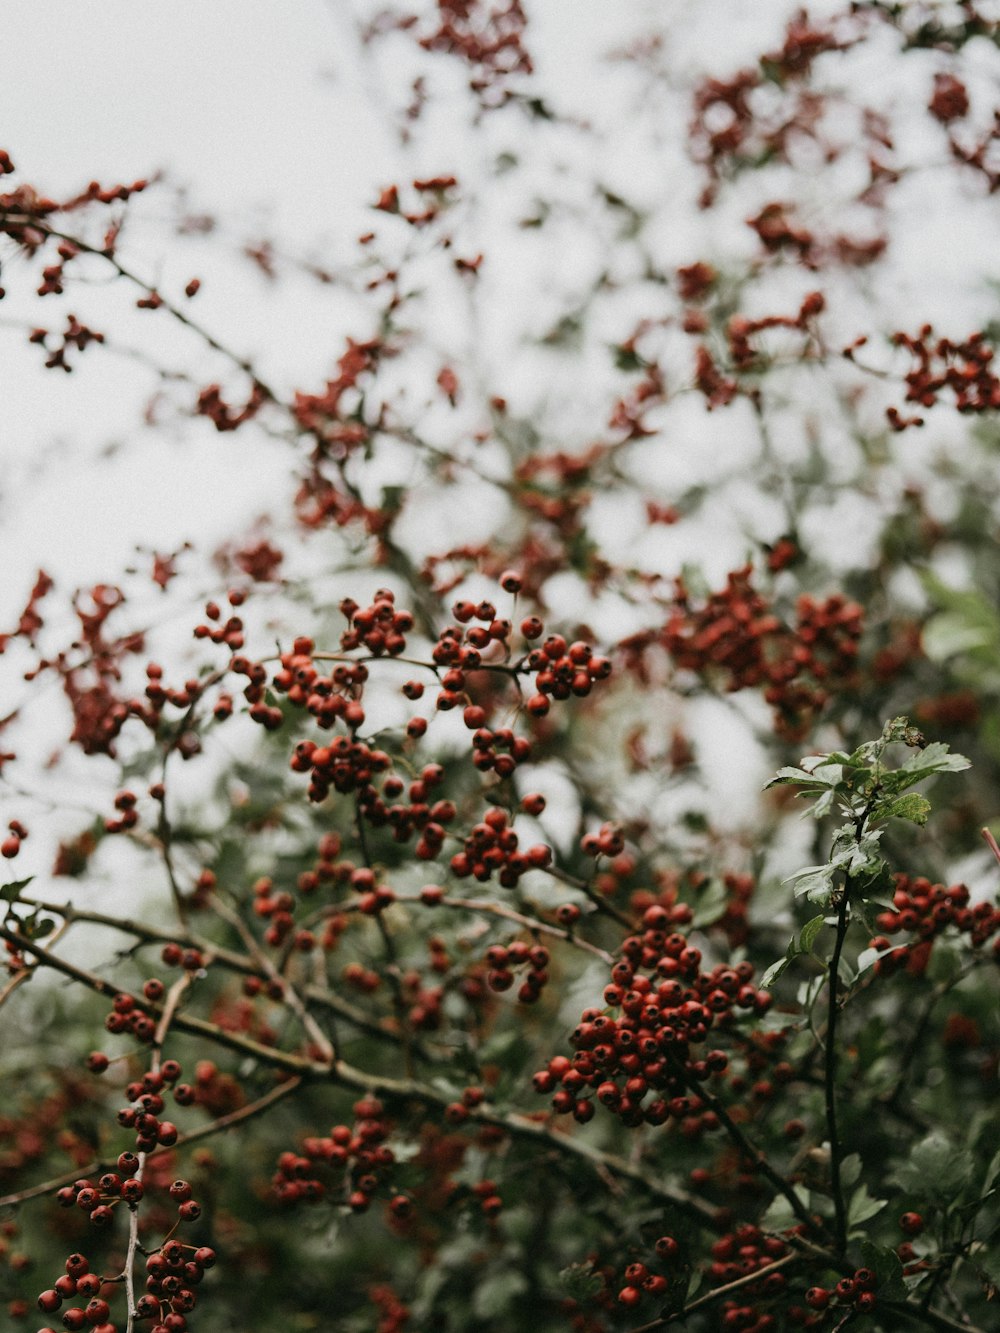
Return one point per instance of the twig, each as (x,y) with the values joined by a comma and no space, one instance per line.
(718,1293)
(830,1072)
(752,1154)
(520,1126)
(128,1272)
(290,994)
(193,1136)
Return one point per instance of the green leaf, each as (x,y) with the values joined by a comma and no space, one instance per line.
(779,1215)
(887,1267)
(913,807)
(862,1206)
(850,1170)
(9,893)
(867,958)
(934,758)
(775,970)
(580,1281)
(797,775)
(814,883)
(494,1297)
(949,634)
(810,932)
(935,1169)
(712,902)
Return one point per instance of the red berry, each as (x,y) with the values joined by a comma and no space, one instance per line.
(911,1223)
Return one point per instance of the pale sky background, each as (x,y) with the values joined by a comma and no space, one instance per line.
(271,116)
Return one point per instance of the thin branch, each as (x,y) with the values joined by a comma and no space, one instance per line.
(163,303)
(536,926)
(752,1154)
(830,1072)
(719,1293)
(520,1126)
(128,1272)
(205,1131)
(290,994)
(237,962)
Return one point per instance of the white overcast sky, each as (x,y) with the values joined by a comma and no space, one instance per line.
(267,113)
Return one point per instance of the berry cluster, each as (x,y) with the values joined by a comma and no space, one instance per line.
(173,1274)
(733,128)
(75,335)
(352,1159)
(488,37)
(210,402)
(736,632)
(146,1108)
(503,958)
(492,847)
(734,922)
(927,910)
(513,749)
(606,841)
(217,630)
(11,845)
(394,1315)
(346,765)
(380,627)
(964,368)
(857,1291)
(127,817)
(666,1005)
(127,1015)
(641,1282)
(79,1283)
(561,670)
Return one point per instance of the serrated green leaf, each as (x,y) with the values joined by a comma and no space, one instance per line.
(810,933)
(862,1206)
(9,893)
(850,1170)
(774,972)
(935,1169)
(494,1297)
(887,1267)
(933,758)
(776,969)
(867,959)
(711,904)
(778,1215)
(913,807)
(823,805)
(813,882)
(799,777)
(580,1281)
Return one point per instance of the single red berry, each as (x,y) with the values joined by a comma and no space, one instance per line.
(911,1223)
